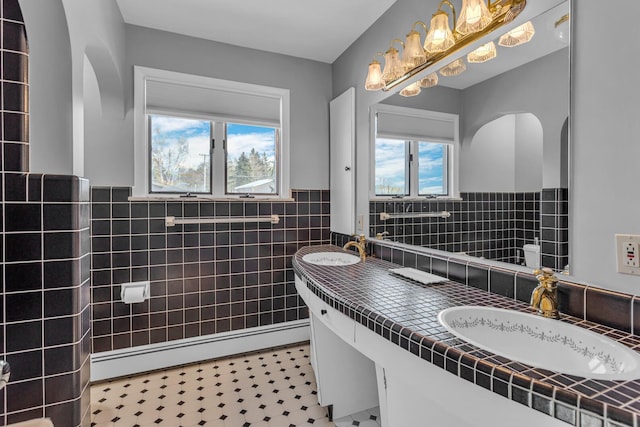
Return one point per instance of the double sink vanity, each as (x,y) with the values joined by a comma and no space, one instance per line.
(431,351)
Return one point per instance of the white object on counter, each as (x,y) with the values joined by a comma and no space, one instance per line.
(418,275)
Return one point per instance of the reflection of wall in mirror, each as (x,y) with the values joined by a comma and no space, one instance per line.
(504,155)
(540,87)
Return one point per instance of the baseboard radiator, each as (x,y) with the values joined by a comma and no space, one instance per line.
(130,361)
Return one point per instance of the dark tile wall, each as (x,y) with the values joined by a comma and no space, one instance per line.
(45,261)
(488,225)
(46,297)
(554,227)
(609,308)
(206,278)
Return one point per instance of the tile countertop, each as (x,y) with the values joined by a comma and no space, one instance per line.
(405,312)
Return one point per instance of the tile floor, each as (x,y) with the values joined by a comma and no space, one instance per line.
(273,388)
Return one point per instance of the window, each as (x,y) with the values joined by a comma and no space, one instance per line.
(392,167)
(251,159)
(397,161)
(209,137)
(414,152)
(183,156)
(432,168)
(180,156)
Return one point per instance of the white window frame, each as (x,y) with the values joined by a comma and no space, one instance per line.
(452,152)
(141,137)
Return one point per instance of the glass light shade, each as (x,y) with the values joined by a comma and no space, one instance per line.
(392,66)
(439,38)
(474,16)
(517,36)
(484,53)
(453,69)
(429,81)
(374,77)
(413,53)
(412,90)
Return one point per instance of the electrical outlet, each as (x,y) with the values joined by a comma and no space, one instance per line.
(360,225)
(628,253)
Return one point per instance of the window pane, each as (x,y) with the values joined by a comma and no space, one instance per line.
(432,173)
(180,155)
(391,167)
(251,159)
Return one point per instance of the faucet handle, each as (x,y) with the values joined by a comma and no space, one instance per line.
(546,276)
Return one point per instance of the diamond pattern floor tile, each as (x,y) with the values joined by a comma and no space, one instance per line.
(274,388)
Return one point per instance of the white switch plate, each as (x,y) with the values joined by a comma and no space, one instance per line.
(628,253)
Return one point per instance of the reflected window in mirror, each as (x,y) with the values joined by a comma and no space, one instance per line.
(432,168)
(392,168)
(410,168)
(413,153)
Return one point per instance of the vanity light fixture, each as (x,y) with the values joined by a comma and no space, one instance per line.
(440,38)
(474,16)
(374,76)
(517,36)
(430,81)
(412,90)
(484,53)
(413,53)
(455,68)
(477,19)
(392,66)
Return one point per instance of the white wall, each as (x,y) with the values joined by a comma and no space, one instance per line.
(108,140)
(539,87)
(61,34)
(487,162)
(504,155)
(605,148)
(50,119)
(529,153)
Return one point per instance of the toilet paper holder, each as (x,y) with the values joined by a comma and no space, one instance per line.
(134,292)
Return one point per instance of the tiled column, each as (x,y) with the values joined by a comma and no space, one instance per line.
(45,328)
(554,227)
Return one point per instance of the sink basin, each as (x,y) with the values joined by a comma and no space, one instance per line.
(543,343)
(331,258)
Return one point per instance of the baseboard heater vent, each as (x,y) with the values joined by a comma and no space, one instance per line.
(130,361)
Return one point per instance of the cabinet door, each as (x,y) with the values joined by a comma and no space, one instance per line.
(341,162)
(346,379)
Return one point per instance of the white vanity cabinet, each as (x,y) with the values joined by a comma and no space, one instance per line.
(357,369)
(346,379)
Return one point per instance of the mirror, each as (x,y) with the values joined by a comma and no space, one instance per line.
(508,169)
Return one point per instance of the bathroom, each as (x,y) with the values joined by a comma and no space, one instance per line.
(81,123)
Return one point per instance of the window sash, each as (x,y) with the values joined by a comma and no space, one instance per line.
(209,176)
(412,169)
(218,167)
(276,160)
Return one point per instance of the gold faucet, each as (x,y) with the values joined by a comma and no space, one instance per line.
(359,245)
(544,297)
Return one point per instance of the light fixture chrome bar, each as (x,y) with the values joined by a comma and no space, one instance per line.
(171,221)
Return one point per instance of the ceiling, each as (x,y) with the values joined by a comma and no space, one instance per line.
(318,30)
